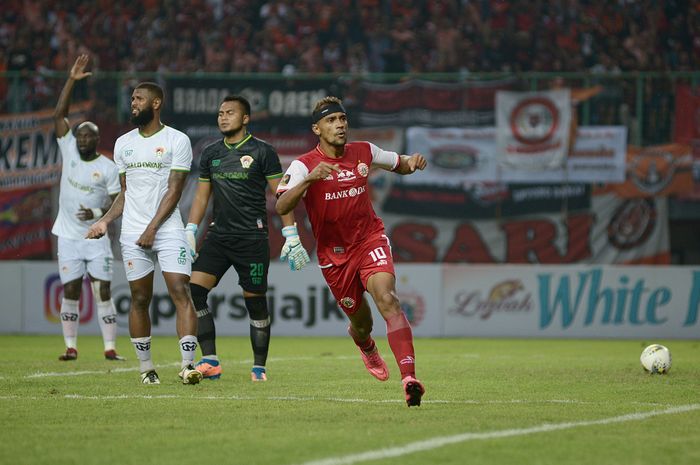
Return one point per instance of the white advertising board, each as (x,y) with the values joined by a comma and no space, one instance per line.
(300,303)
(571,301)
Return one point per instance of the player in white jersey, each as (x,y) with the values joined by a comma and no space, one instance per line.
(89,184)
(153,161)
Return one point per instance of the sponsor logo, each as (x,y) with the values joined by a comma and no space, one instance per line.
(362,169)
(107,266)
(505,297)
(230,175)
(285,180)
(338,249)
(353,192)
(215,163)
(128,153)
(182,256)
(329,177)
(407,360)
(346,175)
(189,346)
(69,316)
(145,164)
(259,223)
(534,120)
(73,163)
(381,262)
(142,346)
(632,223)
(130,264)
(110,319)
(53,295)
(80,187)
(347,302)
(246,161)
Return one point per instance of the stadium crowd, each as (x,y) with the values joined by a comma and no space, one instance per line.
(353,35)
(358,36)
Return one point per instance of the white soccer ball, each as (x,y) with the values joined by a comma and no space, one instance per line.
(656,359)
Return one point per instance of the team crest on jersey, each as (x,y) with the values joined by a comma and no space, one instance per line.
(362,169)
(160,151)
(96,176)
(347,302)
(246,161)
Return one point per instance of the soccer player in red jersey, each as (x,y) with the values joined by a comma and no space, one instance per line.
(353,251)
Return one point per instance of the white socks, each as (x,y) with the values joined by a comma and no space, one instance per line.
(188,346)
(70,320)
(107,318)
(143,352)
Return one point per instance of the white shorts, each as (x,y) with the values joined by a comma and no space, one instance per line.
(76,256)
(170,250)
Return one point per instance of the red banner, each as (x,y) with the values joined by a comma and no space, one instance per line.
(687,125)
(25,224)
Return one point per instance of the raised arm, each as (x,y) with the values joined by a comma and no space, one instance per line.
(60,114)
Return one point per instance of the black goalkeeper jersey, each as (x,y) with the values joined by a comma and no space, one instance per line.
(238,175)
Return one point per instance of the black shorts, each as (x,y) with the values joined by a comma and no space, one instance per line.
(249,256)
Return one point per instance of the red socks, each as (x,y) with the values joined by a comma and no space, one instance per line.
(400,336)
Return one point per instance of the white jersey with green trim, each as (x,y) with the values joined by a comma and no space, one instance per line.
(147,163)
(86,183)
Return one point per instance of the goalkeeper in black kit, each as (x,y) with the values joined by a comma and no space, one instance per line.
(236,170)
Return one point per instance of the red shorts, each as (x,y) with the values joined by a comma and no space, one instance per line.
(348,281)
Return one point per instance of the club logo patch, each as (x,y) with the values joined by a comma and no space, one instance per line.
(96,176)
(362,169)
(246,161)
(160,151)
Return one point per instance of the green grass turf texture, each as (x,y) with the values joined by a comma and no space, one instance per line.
(320,404)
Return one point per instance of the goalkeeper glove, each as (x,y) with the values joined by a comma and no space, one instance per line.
(191,235)
(292,250)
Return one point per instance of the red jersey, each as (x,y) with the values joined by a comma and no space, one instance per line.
(339,207)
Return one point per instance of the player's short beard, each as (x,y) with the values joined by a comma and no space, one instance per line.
(143,117)
(229,133)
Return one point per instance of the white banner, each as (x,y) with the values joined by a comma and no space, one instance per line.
(533,129)
(459,157)
(572,301)
(598,155)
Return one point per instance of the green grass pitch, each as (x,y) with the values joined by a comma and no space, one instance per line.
(488,401)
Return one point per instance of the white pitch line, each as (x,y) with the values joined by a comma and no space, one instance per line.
(312,399)
(441,441)
(123,370)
